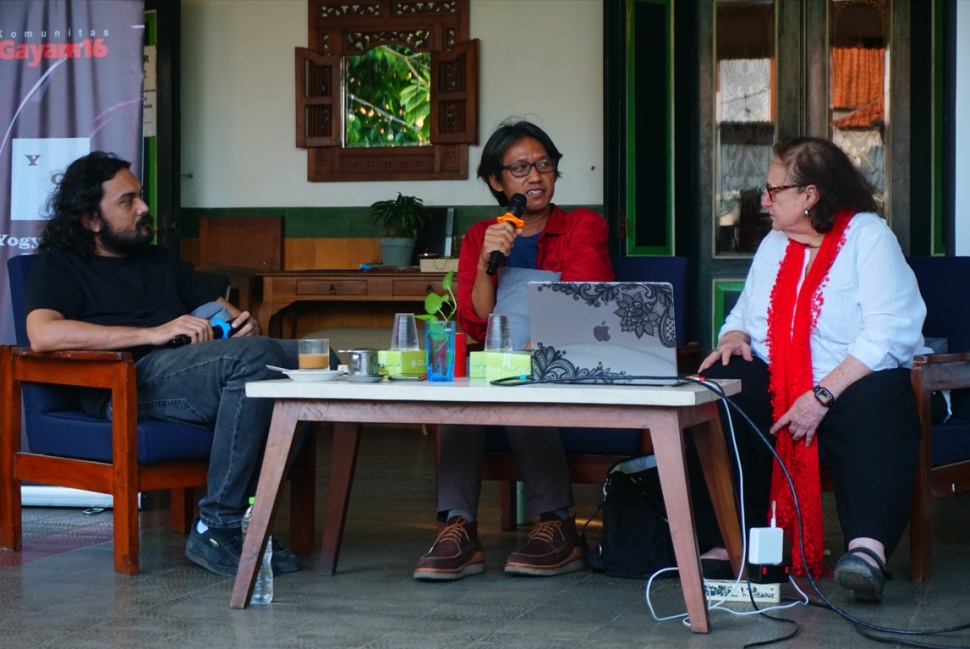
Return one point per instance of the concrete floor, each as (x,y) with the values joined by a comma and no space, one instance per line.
(61,590)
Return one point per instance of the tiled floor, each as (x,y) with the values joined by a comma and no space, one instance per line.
(61,590)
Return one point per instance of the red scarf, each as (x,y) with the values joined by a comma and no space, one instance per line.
(792,316)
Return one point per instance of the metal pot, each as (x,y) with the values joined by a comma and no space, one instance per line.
(363,362)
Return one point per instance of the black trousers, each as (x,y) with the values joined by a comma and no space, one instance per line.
(869,439)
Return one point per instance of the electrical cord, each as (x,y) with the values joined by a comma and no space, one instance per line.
(717,604)
(860,626)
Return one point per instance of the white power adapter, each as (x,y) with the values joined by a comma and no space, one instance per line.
(765,544)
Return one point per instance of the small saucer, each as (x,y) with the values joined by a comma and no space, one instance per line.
(313,375)
(361,378)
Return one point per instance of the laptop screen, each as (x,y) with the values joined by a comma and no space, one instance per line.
(608,332)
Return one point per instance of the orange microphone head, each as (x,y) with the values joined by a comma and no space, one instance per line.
(515,209)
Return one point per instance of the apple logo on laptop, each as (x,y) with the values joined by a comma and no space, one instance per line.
(602,332)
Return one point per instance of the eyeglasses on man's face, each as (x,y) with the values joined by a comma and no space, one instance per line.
(780,188)
(522,168)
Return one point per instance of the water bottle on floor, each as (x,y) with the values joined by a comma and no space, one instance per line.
(263,590)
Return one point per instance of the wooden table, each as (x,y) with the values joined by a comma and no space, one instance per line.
(665,411)
(284,288)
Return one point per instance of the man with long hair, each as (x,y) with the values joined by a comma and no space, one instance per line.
(100,284)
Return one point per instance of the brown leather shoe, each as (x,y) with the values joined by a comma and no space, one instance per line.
(456,553)
(553,549)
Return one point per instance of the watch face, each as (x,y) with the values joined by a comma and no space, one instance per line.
(823,396)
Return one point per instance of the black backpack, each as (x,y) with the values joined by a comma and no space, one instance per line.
(636,534)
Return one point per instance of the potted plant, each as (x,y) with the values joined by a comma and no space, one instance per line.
(439,331)
(399,221)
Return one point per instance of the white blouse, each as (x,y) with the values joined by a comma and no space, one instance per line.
(872,307)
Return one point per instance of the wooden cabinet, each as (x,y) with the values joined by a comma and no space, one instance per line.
(351,289)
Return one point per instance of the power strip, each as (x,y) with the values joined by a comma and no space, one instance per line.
(729,590)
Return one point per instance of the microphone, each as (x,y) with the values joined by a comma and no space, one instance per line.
(515,209)
(220,329)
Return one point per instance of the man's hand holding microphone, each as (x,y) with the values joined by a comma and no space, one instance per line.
(500,238)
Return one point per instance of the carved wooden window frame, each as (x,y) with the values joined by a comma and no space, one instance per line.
(339,28)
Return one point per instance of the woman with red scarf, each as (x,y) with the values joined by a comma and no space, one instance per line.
(822,337)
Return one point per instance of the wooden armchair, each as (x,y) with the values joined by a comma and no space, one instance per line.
(68,451)
(944,455)
(121,457)
(944,452)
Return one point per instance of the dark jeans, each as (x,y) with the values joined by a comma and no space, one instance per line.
(205,384)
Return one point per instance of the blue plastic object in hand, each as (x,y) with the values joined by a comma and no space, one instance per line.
(221,328)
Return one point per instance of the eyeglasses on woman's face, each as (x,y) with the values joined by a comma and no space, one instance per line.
(521,168)
(780,188)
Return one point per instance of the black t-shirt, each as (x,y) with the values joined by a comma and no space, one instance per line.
(143,290)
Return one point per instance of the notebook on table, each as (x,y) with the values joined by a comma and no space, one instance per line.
(605,332)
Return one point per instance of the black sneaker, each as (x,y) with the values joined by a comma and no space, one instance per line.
(216,550)
(283,559)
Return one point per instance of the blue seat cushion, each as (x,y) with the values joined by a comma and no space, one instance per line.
(951,441)
(75,434)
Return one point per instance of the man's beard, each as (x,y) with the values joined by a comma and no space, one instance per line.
(124,244)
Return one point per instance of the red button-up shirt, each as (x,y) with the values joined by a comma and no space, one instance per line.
(574,244)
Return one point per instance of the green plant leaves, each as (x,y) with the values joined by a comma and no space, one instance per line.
(435,304)
(400,217)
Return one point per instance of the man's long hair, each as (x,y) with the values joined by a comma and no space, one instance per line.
(78,194)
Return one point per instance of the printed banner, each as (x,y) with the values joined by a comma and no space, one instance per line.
(70,83)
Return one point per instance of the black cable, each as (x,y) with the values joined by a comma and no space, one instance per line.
(627,381)
(856,622)
(858,625)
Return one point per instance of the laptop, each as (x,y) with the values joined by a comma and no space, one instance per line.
(603,332)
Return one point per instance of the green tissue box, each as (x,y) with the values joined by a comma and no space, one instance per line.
(396,363)
(499,365)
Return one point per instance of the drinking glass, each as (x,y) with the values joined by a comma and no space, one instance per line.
(440,350)
(404,335)
(498,336)
(314,353)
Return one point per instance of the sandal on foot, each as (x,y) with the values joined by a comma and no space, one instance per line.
(865,580)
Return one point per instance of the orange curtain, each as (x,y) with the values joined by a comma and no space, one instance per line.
(857,85)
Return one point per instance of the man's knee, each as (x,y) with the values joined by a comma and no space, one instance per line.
(255,353)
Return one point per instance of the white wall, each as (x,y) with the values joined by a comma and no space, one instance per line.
(962,110)
(540,59)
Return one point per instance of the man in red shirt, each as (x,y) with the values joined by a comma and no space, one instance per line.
(519,158)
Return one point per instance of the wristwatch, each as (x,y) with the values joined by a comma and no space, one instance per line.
(823,396)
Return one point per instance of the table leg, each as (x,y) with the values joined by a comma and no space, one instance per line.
(346,442)
(282,431)
(716,463)
(668,446)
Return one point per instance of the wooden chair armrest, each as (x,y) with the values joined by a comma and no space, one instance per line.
(934,359)
(95,369)
(73,355)
(940,372)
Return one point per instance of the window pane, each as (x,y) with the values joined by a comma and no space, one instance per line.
(388,93)
(859,93)
(745,116)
